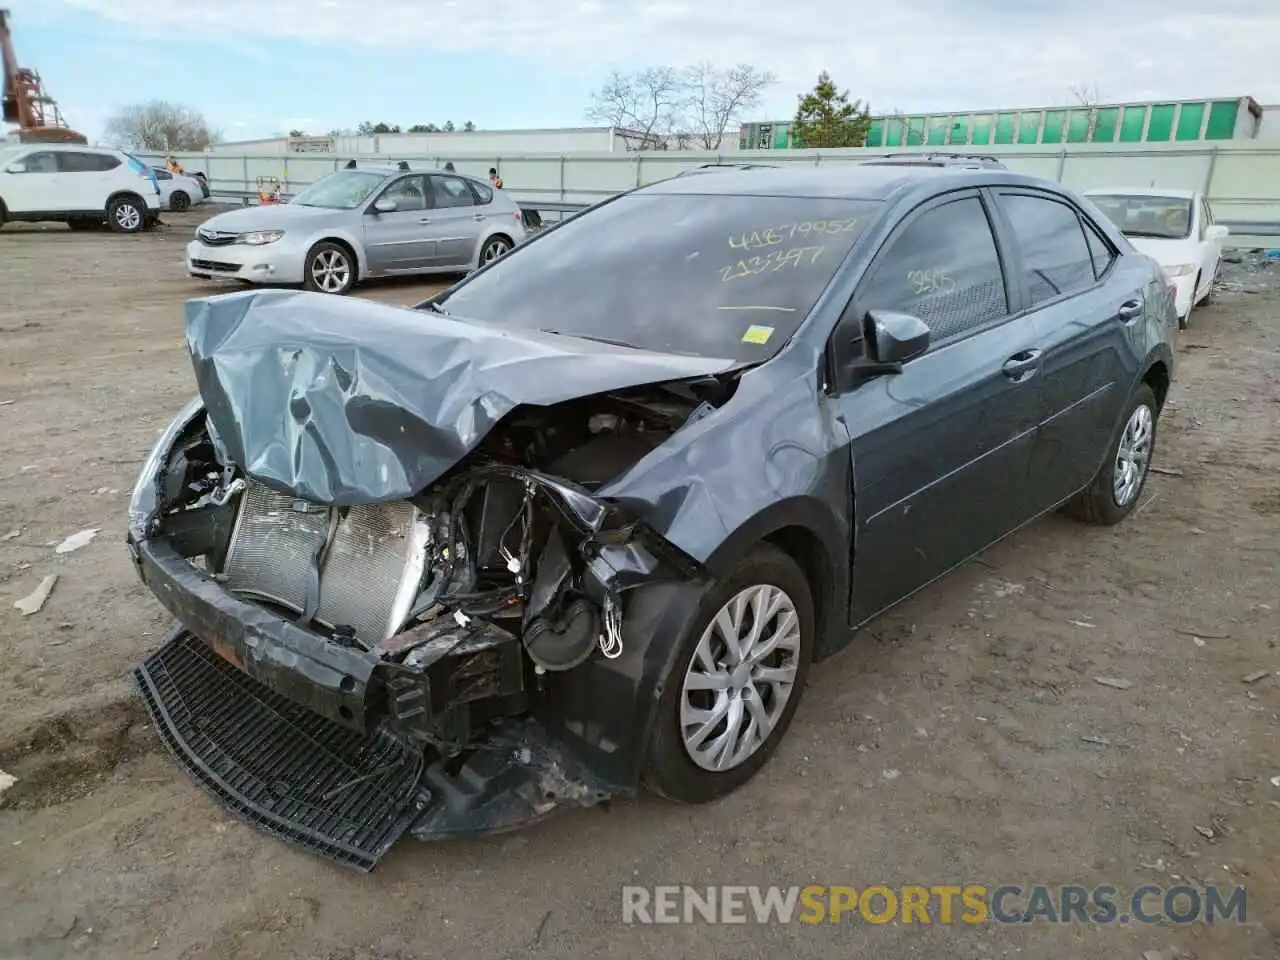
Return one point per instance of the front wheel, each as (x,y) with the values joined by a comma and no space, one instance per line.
(1115,489)
(126,215)
(736,681)
(330,269)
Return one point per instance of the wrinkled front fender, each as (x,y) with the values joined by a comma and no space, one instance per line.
(605,710)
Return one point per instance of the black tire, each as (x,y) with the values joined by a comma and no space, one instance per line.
(669,769)
(1097,503)
(127,214)
(495,248)
(316,271)
(84,223)
(179,201)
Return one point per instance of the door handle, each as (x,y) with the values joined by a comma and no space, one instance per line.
(1130,310)
(424,219)
(1022,365)
(478,216)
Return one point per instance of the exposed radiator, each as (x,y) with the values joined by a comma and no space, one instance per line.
(370,570)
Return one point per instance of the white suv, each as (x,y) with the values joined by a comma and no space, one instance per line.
(79,186)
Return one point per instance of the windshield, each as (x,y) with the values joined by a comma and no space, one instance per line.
(711,276)
(344,190)
(1166,218)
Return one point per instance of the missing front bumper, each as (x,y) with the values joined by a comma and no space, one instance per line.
(333,791)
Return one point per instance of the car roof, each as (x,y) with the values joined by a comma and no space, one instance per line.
(57,147)
(393,171)
(845,182)
(1176,192)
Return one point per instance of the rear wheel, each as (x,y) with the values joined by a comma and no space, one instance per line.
(126,215)
(1115,489)
(330,269)
(494,248)
(736,682)
(179,201)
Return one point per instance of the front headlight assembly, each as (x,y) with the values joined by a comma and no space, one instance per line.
(256,238)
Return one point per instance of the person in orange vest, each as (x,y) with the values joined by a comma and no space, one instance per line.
(494,178)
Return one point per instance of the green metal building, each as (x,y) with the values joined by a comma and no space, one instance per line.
(1176,121)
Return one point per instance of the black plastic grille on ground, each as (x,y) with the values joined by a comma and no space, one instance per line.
(284,769)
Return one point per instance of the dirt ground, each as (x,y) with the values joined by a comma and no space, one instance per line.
(963,739)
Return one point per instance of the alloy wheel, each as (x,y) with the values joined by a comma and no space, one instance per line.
(494,249)
(128,217)
(331,271)
(740,677)
(1133,455)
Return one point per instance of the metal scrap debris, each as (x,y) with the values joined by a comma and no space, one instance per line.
(7,780)
(1114,682)
(1255,676)
(77,540)
(34,601)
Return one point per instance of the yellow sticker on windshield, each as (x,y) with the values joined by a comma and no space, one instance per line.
(757,335)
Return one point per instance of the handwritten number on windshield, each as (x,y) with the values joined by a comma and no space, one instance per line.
(774,261)
(776,236)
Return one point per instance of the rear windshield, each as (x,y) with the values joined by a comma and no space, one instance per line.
(1165,218)
(712,276)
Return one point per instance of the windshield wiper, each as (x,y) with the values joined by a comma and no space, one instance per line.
(436,308)
(583,336)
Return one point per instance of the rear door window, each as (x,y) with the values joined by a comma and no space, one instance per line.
(451,192)
(482,192)
(943,268)
(76,161)
(1056,258)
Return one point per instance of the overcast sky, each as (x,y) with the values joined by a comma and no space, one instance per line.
(256,67)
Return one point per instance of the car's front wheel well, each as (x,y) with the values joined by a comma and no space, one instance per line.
(128,195)
(803,546)
(1157,378)
(351,252)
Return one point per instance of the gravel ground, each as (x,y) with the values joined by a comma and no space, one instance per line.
(962,739)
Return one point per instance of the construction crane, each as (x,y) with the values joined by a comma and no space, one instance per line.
(24,101)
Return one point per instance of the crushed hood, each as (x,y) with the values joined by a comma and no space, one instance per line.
(343,401)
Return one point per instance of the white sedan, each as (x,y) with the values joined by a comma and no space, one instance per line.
(178,192)
(1176,228)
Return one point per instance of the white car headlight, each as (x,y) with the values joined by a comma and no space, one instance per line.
(256,238)
(1181,270)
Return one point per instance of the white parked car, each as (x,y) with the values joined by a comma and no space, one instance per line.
(77,185)
(178,191)
(1174,227)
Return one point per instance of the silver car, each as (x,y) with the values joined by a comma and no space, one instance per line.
(359,224)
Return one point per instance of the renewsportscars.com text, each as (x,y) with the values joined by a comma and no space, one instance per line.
(945,904)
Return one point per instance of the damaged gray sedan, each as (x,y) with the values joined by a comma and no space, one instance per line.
(583,521)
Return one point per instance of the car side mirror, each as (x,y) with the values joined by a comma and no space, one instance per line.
(384,205)
(895,338)
(1217,232)
(16,167)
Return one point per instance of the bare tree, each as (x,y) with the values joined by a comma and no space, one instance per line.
(160,126)
(648,102)
(1087,96)
(715,98)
